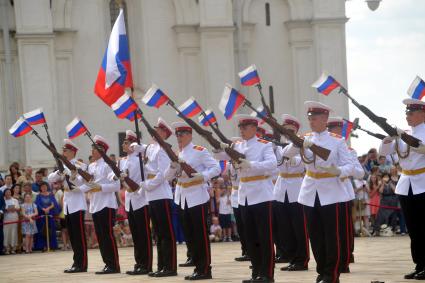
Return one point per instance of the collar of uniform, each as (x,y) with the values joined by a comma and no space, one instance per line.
(99,161)
(190,145)
(321,134)
(418,128)
(251,140)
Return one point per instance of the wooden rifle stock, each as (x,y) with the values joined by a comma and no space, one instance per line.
(167,147)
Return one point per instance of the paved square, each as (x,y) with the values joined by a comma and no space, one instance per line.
(384,259)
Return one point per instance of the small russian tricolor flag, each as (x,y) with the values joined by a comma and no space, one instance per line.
(75,128)
(325,84)
(207,119)
(347,127)
(261,113)
(131,116)
(249,76)
(190,108)
(155,97)
(35,117)
(417,88)
(20,128)
(223,166)
(230,101)
(124,106)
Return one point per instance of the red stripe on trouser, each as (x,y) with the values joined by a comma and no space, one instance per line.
(335,277)
(348,236)
(83,241)
(307,247)
(117,265)
(207,253)
(148,237)
(271,242)
(173,241)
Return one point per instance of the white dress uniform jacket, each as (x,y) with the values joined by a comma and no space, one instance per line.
(255,183)
(234,178)
(291,174)
(73,200)
(358,173)
(102,175)
(201,160)
(413,162)
(330,190)
(155,185)
(131,166)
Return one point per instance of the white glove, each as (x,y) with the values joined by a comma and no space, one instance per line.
(331,169)
(123,176)
(175,165)
(223,145)
(134,146)
(420,149)
(94,187)
(66,171)
(388,139)
(197,177)
(244,164)
(307,143)
(399,132)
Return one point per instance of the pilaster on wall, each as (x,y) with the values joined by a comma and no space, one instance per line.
(35,40)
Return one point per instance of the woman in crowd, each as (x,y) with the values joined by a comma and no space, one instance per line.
(47,206)
(29,212)
(374,185)
(11,215)
(388,202)
(59,194)
(17,194)
(14,172)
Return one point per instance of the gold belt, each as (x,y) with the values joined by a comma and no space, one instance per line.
(318,175)
(151,176)
(235,188)
(190,184)
(413,172)
(291,175)
(253,178)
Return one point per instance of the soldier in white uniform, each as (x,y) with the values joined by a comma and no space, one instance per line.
(291,226)
(136,206)
(159,194)
(103,206)
(255,197)
(74,207)
(335,125)
(194,197)
(322,191)
(411,185)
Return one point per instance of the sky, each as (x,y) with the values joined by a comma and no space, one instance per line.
(385,52)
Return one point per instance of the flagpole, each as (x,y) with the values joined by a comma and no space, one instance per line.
(138,135)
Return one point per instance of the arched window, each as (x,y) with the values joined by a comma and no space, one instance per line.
(114,10)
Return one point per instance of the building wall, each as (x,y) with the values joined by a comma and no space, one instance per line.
(187,47)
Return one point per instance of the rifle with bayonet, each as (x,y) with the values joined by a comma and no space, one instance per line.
(356,126)
(167,147)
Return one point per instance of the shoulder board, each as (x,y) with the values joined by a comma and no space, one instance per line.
(308,134)
(236,142)
(262,141)
(335,135)
(198,147)
(79,162)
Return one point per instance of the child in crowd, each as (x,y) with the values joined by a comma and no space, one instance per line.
(215,230)
(29,212)
(225,213)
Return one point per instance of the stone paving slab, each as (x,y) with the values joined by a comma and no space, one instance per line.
(383,258)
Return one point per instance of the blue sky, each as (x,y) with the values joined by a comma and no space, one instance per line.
(385,51)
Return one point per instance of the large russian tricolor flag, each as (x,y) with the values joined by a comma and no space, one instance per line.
(115,72)
(190,108)
(249,76)
(20,128)
(207,119)
(347,127)
(417,88)
(75,128)
(35,117)
(124,106)
(230,101)
(325,84)
(155,97)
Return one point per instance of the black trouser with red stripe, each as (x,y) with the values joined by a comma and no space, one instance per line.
(104,221)
(166,243)
(196,233)
(139,222)
(323,228)
(346,234)
(414,210)
(77,237)
(257,219)
(241,229)
(292,231)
